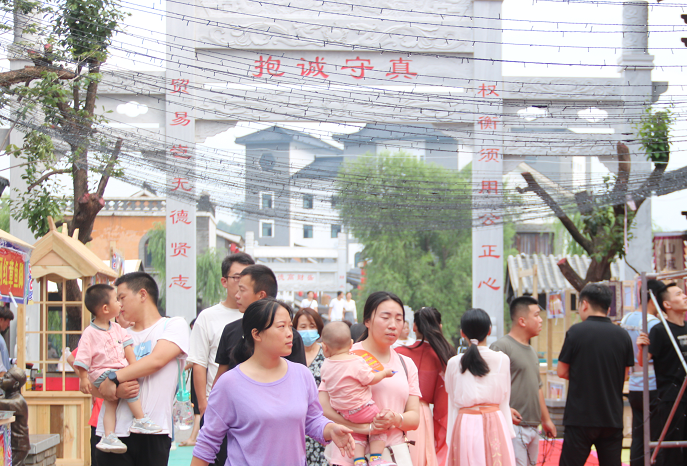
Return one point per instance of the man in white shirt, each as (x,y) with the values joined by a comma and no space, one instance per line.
(309,301)
(337,307)
(160,345)
(209,325)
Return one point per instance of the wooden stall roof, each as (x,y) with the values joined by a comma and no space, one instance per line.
(14,240)
(64,256)
(549,276)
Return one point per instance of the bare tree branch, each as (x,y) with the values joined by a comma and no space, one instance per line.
(29,73)
(569,273)
(108,168)
(534,187)
(46,176)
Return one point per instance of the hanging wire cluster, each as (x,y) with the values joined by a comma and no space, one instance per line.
(445,106)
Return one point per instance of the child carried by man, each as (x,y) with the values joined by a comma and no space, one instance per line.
(104,348)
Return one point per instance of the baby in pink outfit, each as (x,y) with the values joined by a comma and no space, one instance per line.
(348,378)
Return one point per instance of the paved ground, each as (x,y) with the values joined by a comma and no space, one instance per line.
(180,456)
(548,453)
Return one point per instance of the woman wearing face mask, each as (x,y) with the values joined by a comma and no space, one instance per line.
(309,325)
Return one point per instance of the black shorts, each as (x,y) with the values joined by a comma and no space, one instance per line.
(142,450)
(194,398)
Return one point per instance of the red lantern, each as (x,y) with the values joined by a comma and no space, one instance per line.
(300,293)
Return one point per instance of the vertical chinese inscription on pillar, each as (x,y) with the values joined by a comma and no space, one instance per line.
(180,286)
(487,182)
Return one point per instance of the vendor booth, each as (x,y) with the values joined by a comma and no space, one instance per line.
(63,268)
(15,279)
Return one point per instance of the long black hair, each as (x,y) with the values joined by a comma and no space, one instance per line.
(259,316)
(428,322)
(373,302)
(475,324)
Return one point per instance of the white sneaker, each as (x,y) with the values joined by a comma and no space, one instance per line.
(111,444)
(144,426)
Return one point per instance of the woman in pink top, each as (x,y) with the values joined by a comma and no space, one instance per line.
(398,397)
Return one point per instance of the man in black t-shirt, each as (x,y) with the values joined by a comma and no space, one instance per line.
(594,358)
(669,371)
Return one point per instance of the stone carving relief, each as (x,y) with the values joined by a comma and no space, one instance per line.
(635,26)
(209,128)
(520,88)
(319,35)
(351,8)
(282,107)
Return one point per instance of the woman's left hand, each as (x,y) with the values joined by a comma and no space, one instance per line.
(342,438)
(384,420)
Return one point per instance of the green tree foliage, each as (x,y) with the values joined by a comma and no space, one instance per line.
(5,213)
(208,268)
(56,108)
(424,267)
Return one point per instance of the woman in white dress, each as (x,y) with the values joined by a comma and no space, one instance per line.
(480,426)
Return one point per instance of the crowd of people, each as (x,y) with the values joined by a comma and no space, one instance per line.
(276,387)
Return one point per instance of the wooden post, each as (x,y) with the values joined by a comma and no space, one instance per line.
(21,336)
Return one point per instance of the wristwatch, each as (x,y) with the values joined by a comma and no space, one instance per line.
(113,377)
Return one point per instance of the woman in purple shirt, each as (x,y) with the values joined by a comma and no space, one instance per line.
(266,405)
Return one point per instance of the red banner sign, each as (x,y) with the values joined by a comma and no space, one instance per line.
(12,278)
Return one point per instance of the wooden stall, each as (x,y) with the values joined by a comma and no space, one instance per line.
(63,268)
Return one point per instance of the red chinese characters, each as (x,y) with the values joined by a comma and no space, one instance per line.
(180,86)
(358,70)
(489,250)
(313,68)
(490,283)
(179,152)
(181,282)
(179,249)
(489,187)
(180,216)
(489,219)
(401,67)
(489,155)
(180,119)
(181,183)
(487,122)
(486,90)
(270,66)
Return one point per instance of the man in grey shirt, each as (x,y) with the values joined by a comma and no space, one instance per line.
(526,398)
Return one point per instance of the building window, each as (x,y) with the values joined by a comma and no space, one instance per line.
(267,162)
(534,243)
(336,229)
(357,259)
(266,228)
(307,231)
(266,200)
(307,201)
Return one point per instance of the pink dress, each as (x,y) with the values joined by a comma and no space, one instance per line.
(470,429)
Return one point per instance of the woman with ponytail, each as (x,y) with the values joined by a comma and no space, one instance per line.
(478,386)
(431,354)
(266,405)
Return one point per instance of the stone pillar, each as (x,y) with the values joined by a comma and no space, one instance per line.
(635,65)
(487,165)
(180,134)
(341,263)
(250,244)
